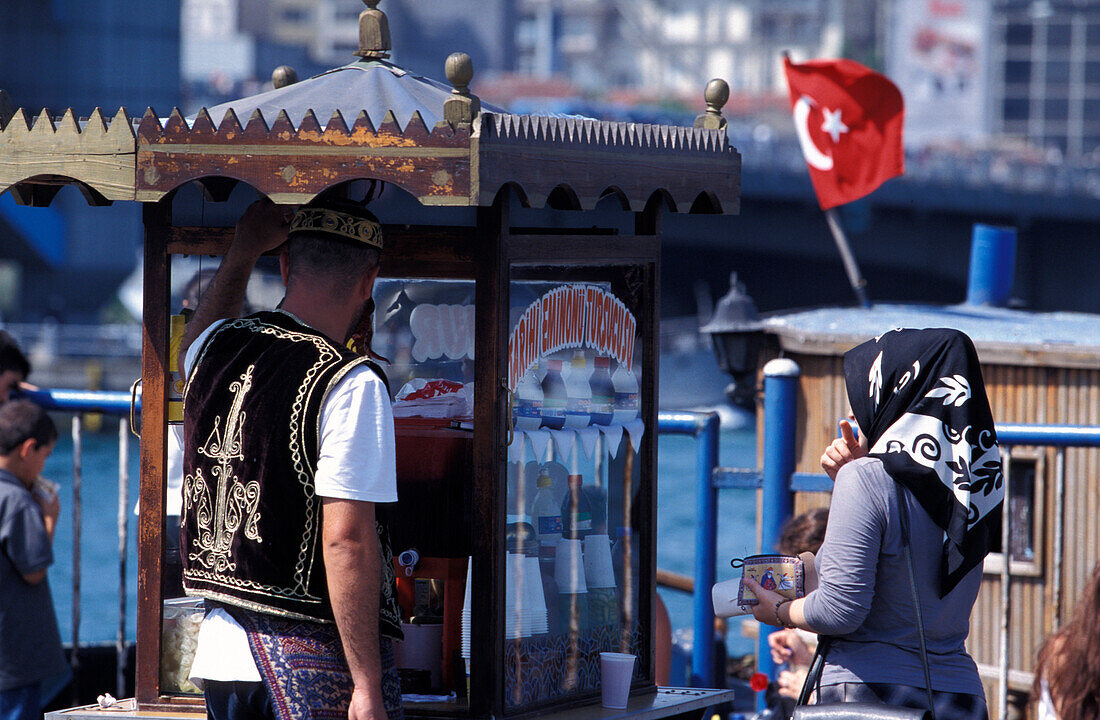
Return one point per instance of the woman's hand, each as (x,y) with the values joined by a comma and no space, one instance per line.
(764,610)
(787,646)
(841,451)
(791,681)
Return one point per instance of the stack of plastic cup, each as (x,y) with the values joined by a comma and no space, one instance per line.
(525,605)
(572,591)
(599,575)
(569,567)
(466,610)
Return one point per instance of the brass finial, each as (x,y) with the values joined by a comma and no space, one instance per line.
(716,95)
(7,108)
(374,32)
(462,106)
(283,75)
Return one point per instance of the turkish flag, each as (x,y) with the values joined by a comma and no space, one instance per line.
(849,121)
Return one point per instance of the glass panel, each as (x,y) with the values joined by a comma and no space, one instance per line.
(425,331)
(573,535)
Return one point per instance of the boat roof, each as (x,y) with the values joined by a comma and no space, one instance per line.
(1002,335)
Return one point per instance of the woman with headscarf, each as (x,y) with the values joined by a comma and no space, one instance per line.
(919,401)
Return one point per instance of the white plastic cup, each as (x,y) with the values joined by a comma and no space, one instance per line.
(724,596)
(598,569)
(616,670)
(569,567)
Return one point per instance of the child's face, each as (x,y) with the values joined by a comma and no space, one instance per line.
(34,461)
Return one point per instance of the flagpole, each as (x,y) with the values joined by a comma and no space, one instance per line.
(859,285)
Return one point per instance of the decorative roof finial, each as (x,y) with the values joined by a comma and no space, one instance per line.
(283,75)
(716,95)
(462,106)
(374,33)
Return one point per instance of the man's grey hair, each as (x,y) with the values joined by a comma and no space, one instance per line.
(319,256)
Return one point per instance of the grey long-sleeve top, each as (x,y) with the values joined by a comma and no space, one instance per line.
(864,596)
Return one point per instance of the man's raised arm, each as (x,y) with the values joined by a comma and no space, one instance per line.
(262,228)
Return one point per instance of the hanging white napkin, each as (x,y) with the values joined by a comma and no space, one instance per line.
(539,440)
(613,434)
(588,437)
(564,441)
(635,429)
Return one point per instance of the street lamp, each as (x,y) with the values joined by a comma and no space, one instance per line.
(738,335)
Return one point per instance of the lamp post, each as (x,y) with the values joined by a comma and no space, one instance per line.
(738,335)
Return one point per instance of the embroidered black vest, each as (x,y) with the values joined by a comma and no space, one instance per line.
(251,524)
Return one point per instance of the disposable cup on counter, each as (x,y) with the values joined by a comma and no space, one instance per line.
(616,671)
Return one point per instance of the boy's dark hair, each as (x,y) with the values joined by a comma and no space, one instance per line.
(22,420)
(803,533)
(11,357)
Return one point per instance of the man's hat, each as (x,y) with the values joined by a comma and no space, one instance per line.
(341,219)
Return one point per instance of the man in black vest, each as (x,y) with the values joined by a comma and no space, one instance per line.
(288,445)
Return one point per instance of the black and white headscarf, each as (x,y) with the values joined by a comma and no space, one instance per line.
(919,397)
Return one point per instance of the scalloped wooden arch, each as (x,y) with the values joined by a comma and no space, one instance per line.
(563,197)
(618,193)
(706,203)
(660,195)
(29,193)
(515,187)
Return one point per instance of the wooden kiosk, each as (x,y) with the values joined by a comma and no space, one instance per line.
(541,236)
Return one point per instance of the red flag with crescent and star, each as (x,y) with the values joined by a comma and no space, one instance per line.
(849,122)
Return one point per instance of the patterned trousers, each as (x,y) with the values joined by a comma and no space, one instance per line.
(304,670)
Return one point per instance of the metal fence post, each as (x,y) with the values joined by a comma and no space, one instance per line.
(780,412)
(706,542)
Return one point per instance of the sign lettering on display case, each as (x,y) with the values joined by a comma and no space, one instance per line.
(571,316)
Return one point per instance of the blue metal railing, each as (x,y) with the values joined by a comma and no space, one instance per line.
(704,428)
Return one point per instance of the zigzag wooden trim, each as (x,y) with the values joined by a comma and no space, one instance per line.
(585,131)
(201,130)
(45,130)
(95,154)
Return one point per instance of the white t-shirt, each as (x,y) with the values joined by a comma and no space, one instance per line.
(355,462)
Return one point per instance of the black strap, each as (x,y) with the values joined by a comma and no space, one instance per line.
(813,675)
(903,511)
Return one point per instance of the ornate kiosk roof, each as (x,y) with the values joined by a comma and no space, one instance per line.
(372,119)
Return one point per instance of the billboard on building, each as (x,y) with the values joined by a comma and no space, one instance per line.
(937,55)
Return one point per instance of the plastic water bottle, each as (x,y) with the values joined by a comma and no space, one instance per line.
(546,512)
(578,393)
(603,391)
(553,396)
(626,395)
(527,408)
(576,512)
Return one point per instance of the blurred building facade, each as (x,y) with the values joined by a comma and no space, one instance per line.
(82,54)
(1047,85)
(672,48)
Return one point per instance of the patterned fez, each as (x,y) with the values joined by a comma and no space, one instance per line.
(345,222)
